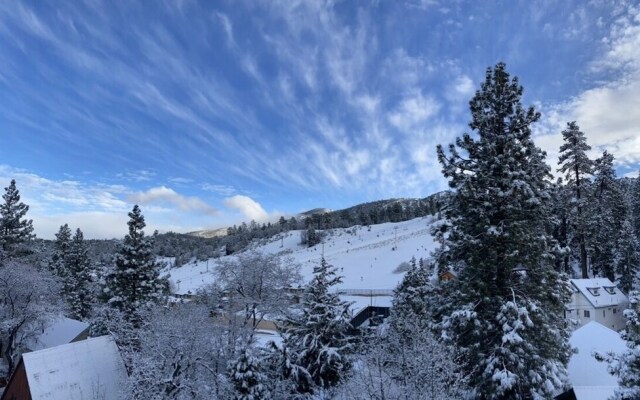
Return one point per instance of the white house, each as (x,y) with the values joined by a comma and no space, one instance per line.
(597,299)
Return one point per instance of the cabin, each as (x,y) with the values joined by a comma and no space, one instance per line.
(447,276)
(588,377)
(597,299)
(88,369)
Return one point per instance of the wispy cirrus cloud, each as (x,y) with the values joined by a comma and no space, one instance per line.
(293,102)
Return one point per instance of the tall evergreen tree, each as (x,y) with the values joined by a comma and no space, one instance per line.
(560,226)
(635,206)
(606,212)
(14,228)
(576,166)
(507,325)
(78,277)
(61,246)
(134,281)
(627,257)
(317,337)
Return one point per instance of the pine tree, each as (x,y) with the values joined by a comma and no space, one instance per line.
(560,226)
(78,277)
(134,282)
(248,380)
(14,229)
(317,336)
(627,257)
(61,246)
(635,206)
(576,166)
(606,213)
(411,297)
(507,325)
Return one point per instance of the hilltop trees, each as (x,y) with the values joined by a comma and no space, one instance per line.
(508,332)
(14,228)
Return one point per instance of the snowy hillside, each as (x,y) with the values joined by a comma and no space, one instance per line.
(365,256)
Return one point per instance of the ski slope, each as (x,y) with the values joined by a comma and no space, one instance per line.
(365,256)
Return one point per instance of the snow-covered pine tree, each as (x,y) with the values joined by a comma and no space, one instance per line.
(14,228)
(606,212)
(420,363)
(248,380)
(134,281)
(78,278)
(560,226)
(412,297)
(507,325)
(635,206)
(57,264)
(317,337)
(627,257)
(576,166)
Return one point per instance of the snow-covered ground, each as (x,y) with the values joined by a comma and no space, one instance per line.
(365,256)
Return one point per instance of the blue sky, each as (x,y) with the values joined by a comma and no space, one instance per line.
(210,113)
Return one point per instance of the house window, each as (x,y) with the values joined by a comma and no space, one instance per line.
(615,310)
(610,289)
(587,314)
(595,291)
(603,314)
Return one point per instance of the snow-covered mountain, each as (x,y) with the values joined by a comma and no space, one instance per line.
(365,256)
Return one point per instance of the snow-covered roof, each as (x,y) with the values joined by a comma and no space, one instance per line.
(88,369)
(600,292)
(59,331)
(588,376)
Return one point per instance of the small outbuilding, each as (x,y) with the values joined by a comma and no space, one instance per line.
(88,369)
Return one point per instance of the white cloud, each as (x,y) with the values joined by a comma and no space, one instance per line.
(413,111)
(250,208)
(608,113)
(165,195)
(463,87)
